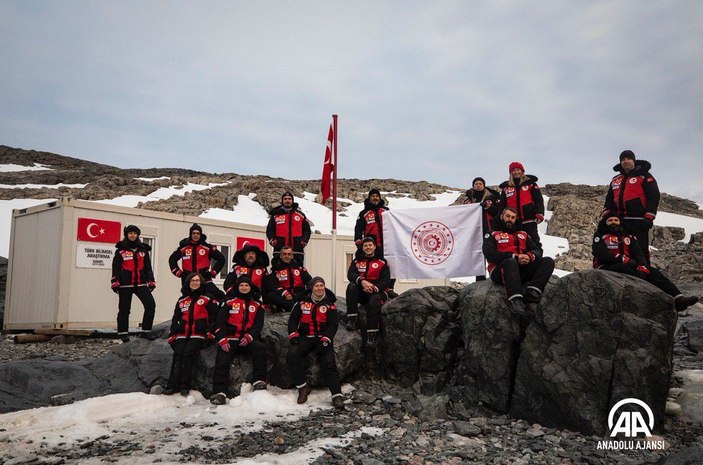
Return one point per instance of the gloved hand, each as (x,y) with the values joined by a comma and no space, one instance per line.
(294,337)
(213,273)
(325,341)
(642,271)
(177,272)
(115,285)
(171,340)
(539,218)
(246,340)
(273,242)
(224,344)
(151,285)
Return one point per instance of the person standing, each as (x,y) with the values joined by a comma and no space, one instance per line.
(485,197)
(192,317)
(132,275)
(522,194)
(312,325)
(633,195)
(197,255)
(288,225)
(370,221)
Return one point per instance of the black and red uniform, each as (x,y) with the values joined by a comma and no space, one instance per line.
(287,279)
(194,313)
(634,197)
(288,226)
(616,250)
(374,270)
(200,257)
(312,325)
(132,275)
(486,198)
(501,248)
(370,224)
(526,198)
(239,323)
(257,271)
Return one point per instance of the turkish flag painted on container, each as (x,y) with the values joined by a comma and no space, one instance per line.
(242,241)
(94,230)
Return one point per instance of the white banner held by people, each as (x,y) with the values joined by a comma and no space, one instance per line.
(445,242)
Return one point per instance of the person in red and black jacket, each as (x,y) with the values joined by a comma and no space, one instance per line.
(192,317)
(370,221)
(312,325)
(616,250)
(287,281)
(514,259)
(486,197)
(369,277)
(252,261)
(197,255)
(522,193)
(633,195)
(288,225)
(132,275)
(238,330)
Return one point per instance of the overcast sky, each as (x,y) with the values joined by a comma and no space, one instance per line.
(441,91)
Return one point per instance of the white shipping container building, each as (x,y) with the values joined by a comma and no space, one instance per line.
(57,282)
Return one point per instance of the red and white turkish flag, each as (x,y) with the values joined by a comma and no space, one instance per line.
(93,230)
(327,167)
(243,241)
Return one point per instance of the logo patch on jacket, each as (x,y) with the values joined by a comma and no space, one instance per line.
(323,309)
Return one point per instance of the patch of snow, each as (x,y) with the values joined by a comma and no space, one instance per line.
(691,224)
(152,179)
(159,194)
(6,207)
(9,168)
(246,211)
(41,186)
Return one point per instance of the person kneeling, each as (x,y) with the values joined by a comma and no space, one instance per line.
(312,325)
(616,250)
(514,259)
(238,329)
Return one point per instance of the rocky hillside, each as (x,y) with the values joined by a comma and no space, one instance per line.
(575,207)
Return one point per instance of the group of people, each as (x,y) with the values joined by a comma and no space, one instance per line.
(234,317)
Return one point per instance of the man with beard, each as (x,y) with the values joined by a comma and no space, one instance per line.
(288,280)
(515,260)
(252,261)
(370,221)
(288,225)
(616,250)
(633,195)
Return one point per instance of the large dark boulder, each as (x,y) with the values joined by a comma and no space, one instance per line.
(599,337)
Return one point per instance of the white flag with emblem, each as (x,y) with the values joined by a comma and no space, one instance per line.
(428,243)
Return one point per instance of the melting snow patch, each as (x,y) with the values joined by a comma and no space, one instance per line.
(41,186)
(13,168)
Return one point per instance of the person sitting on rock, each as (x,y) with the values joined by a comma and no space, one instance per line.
(197,255)
(252,261)
(515,260)
(368,276)
(289,226)
(238,329)
(132,274)
(486,197)
(312,325)
(522,194)
(614,249)
(194,313)
(287,281)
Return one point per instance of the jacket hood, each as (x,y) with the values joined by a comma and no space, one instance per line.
(185,241)
(281,209)
(641,167)
(262,258)
(329,298)
(368,206)
(124,245)
(526,179)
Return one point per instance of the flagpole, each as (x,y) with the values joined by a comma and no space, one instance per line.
(334,206)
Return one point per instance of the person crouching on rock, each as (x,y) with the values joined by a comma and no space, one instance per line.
(514,259)
(192,317)
(312,325)
(238,328)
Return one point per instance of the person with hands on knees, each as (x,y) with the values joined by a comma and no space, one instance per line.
(288,280)
(312,325)
(614,249)
(197,255)
(132,275)
(192,316)
(238,330)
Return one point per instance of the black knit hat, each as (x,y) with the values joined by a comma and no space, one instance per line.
(195,227)
(287,194)
(627,154)
(315,280)
(132,228)
(478,179)
(374,191)
(245,278)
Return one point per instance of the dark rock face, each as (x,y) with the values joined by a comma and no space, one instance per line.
(599,337)
(3,286)
(692,335)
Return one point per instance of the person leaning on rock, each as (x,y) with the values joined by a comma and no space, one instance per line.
(522,194)
(514,259)
(616,250)
(633,195)
(132,275)
(486,197)
(192,317)
(288,225)
(312,325)
(238,329)
(197,255)
(287,281)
